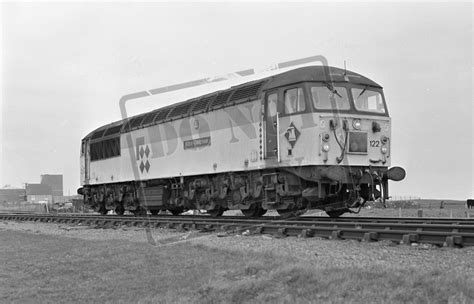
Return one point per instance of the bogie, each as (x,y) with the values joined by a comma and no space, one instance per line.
(253,193)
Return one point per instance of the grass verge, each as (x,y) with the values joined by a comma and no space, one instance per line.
(40,268)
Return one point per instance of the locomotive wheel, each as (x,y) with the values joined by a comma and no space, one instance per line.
(287,213)
(335,213)
(253,212)
(140,211)
(216,212)
(102,210)
(119,210)
(250,212)
(176,211)
(262,212)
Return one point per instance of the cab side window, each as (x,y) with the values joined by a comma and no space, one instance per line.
(294,101)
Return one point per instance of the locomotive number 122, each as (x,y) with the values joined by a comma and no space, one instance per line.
(374,143)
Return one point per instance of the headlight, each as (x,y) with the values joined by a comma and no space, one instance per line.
(384,139)
(384,149)
(325,147)
(325,137)
(356,124)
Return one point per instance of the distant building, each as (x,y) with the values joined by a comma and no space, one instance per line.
(55,181)
(36,193)
(50,190)
(12,195)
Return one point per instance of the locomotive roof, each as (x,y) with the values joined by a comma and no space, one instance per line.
(237,94)
(319,74)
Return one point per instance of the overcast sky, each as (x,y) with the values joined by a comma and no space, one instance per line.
(66,65)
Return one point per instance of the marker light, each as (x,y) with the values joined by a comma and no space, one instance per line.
(356,124)
(325,137)
(384,139)
(384,149)
(325,147)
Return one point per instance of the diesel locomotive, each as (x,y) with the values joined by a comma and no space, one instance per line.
(315,137)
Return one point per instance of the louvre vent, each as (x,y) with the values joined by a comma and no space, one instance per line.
(126,126)
(149,118)
(202,104)
(97,134)
(180,110)
(162,115)
(113,130)
(246,92)
(189,107)
(132,123)
(135,122)
(222,98)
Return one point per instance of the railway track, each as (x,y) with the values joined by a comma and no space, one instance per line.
(426,220)
(438,231)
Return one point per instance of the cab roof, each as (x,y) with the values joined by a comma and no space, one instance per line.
(317,74)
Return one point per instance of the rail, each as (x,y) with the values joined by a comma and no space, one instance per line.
(441,232)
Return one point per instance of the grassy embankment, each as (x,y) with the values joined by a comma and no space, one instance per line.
(40,268)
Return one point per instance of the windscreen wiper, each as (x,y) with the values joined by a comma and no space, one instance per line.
(332,89)
(363,91)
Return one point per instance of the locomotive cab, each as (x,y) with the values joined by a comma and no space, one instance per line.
(336,137)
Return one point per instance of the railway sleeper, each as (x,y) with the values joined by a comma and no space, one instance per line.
(370,237)
(453,241)
(407,239)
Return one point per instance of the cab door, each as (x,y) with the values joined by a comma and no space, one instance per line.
(271,125)
(87,160)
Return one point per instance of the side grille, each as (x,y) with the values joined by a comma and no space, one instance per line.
(162,115)
(246,92)
(98,134)
(195,106)
(136,121)
(180,110)
(132,124)
(201,105)
(113,130)
(149,118)
(221,99)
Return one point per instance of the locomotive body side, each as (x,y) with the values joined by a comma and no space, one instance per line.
(299,143)
(219,141)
